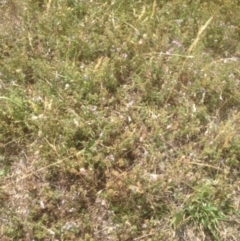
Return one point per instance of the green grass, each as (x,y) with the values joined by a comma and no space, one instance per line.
(119,120)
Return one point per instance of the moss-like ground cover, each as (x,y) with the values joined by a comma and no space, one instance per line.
(119,120)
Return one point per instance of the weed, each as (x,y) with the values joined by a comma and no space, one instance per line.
(205,209)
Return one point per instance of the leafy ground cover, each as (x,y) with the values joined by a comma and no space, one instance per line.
(119,120)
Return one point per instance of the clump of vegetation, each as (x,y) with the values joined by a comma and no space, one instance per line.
(119,120)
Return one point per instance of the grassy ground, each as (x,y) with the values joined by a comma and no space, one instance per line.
(119,120)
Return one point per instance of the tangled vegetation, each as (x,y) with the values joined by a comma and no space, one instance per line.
(119,120)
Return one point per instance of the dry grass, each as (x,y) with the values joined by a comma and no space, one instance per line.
(119,120)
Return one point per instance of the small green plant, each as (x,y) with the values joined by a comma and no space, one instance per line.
(204,210)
